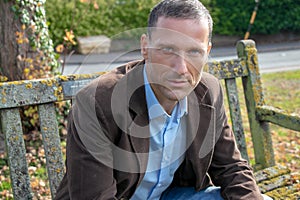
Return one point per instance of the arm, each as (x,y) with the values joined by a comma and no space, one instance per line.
(228,169)
(89,155)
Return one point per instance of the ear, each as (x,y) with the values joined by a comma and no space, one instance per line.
(209,47)
(144,46)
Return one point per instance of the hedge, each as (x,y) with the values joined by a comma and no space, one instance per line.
(231,17)
(111,18)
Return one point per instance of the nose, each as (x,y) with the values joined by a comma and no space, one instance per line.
(180,64)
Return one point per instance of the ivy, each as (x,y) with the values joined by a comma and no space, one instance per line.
(32,15)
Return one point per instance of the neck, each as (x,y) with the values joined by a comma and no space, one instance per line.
(168,105)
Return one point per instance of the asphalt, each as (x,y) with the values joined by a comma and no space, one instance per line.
(217,51)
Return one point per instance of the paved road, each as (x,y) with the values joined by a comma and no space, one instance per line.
(271,57)
(274,61)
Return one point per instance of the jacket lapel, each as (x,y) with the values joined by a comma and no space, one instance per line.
(201,123)
(138,126)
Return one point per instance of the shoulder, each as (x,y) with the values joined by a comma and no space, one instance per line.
(214,91)
(210,81)
(105,84)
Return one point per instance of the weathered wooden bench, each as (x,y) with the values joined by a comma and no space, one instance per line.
(274,180)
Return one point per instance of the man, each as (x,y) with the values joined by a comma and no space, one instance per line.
(156,128)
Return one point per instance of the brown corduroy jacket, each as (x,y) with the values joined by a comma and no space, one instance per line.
(108,141)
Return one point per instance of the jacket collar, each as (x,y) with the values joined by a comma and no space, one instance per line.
(133,84)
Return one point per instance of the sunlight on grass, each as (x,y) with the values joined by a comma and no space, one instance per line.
(283,90)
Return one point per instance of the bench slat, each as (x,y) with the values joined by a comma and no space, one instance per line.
(236,117)
(274,183)
(295,195)
(279,117)
(287,192)
(15,146)
(22,93)
(70,88)
(271,172)
(253,92)
(32,92)
(228,68)
(52,146)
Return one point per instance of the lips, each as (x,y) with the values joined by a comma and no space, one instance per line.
(178,83)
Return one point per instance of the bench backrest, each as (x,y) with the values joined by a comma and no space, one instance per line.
(45,92)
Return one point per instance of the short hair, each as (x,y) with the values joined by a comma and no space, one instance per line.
(181,9)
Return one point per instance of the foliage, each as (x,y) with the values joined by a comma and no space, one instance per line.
(275,16)
(42,61)
(231,17)
(110,18)
(39,59)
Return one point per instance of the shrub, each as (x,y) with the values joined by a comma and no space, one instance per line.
(275,16)
(231,17)
(110,18)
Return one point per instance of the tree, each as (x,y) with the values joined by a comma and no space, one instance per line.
(9,50)
(26,48)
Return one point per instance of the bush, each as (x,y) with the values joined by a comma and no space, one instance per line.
(231,17)
(111,18)
(275,16)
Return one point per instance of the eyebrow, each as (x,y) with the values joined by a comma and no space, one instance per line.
(168,44)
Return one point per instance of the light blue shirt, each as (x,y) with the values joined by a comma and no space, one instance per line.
(167,145)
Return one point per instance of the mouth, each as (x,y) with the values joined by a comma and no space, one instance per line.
(178,83)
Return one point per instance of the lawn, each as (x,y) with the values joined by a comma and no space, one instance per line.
(281,89)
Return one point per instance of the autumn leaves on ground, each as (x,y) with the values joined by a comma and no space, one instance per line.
(281,90)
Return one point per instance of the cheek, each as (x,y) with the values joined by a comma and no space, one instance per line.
(159,65)
(158,59)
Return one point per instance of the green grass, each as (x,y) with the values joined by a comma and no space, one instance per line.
(283,90)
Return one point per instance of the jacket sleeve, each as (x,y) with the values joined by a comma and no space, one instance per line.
(89,159)
(228,169)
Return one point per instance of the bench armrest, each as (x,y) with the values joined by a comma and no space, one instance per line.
(279,117)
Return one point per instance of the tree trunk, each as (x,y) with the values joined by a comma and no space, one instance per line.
(9,48)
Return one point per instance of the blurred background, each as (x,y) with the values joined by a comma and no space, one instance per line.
(279,19)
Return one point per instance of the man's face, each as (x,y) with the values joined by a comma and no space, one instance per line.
(175,55)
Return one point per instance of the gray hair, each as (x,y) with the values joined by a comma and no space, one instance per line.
(182,9)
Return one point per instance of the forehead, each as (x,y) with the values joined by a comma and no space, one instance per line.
(181,31)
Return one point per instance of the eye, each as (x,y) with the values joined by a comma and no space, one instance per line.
(195,52)
(167,50)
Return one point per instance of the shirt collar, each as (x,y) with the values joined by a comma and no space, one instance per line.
(155,109)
